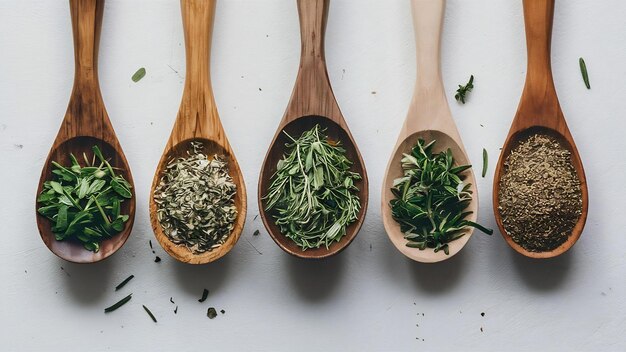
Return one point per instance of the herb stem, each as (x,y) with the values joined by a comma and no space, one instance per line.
(120,303)
(149,313)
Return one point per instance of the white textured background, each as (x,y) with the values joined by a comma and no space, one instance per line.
(370,297)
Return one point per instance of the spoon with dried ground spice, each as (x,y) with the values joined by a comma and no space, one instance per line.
(197,160)
(540,191)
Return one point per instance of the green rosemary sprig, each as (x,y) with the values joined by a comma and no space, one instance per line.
(461,93)
(583,71)
(431,199)
(312,195)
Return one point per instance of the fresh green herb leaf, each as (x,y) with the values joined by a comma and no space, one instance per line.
(139,75)
(583,71)
(122,302)
(461,93)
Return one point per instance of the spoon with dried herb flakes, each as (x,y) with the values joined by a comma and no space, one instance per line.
(429,196)
(540,196)
(198,195)
(88,234)
(315,215)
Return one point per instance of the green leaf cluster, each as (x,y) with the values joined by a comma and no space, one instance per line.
(431,198)
(313,196)
(84,202)
(461,93)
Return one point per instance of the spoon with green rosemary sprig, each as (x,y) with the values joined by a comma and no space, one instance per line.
(450,214)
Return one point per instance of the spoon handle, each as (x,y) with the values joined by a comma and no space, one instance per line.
(313,94)
(539,87)
(86,112)
(427,23)
(198,113)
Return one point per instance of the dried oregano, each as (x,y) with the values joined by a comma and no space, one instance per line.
(540,194)
(196,201)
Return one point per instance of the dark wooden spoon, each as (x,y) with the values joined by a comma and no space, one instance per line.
(312,102)
(198,120)
(539,111)
(86,124)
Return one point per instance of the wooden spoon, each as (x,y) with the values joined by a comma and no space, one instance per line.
(429,118)
(312,102)
(86,124)
(539,111)
(198,120)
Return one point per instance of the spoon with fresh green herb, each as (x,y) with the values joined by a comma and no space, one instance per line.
(429,197)
(86,203)
(315,224)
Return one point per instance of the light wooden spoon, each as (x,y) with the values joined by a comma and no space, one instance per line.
(429,118)
(539,111)
(86,124)
(198,120)
(312,102)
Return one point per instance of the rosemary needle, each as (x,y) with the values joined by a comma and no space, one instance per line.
(485,162)
(124,282)
(122,302)
(583,71)
(205,294)
(149,313)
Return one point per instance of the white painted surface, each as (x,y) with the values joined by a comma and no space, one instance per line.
(369,297)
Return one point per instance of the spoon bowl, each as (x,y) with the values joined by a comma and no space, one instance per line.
(277,149)
(86,124)
(209,148)
(539,111)
(428,118)
(395,171)
(198,120)
(312,102)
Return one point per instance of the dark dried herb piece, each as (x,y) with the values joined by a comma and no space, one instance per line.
(431,199)
(124,282)
(149,313)
(211,313)
(223,311)
(256,233)
(172,300)
(205,294)
(485,162)
(157,259)
(176,310)
(120,303)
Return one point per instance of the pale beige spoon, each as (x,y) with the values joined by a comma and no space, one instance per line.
(429,118)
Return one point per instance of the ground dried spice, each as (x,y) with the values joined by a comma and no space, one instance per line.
(540,194)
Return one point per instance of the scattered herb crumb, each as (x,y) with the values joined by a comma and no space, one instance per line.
(172,300)
(123,283)
(205,294)
(176,310)
(211,313)
(68,274)
(373,92)
(260,90)
(223,311)
(139,75)
(256,233)
(482,314)
(149,313)
(255,217)
(583,71)
(157,259)
(120,303)
(461,93)
(150,243)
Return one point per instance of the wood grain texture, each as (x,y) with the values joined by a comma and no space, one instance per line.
(198,120)
(428,118)
(312,102)
(539,111)
(86,124)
